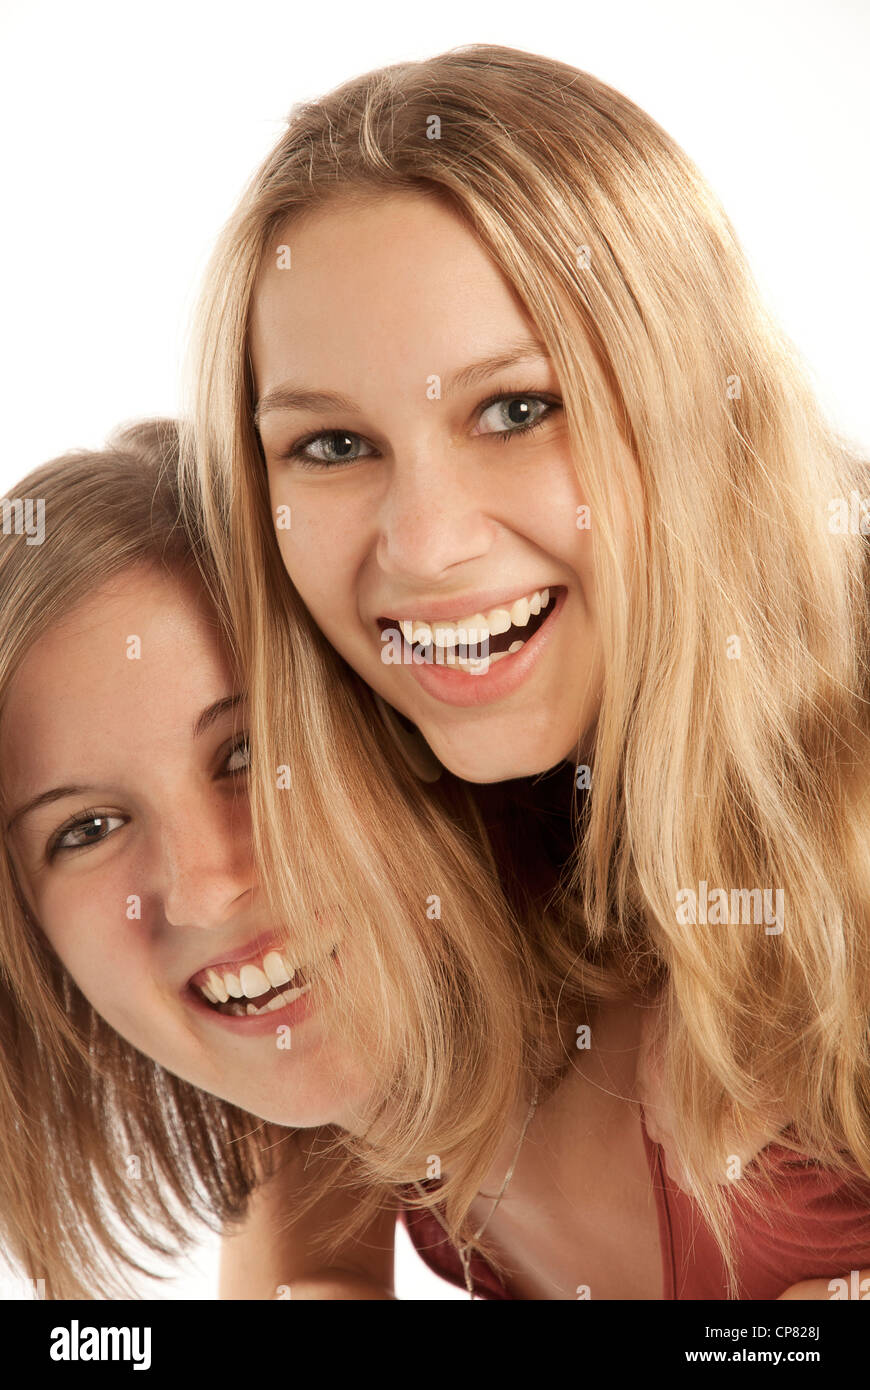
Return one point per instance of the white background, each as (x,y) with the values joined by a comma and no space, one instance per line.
(129,132)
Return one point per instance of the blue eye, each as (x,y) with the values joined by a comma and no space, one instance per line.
(242,749)
(298,452)
(523,425)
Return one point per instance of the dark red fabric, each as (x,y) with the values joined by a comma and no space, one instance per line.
(816,1226)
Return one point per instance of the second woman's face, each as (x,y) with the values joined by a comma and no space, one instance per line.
(422,485)
(124,759)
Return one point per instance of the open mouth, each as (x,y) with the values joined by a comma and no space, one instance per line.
(257,987)
(475,642)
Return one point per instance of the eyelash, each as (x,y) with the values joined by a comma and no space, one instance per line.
(296,451)
(91,814)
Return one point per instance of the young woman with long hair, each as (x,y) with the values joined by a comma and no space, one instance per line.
(649,596)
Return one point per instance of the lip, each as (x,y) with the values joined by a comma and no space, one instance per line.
(255,1025)
(465,606)
(450,686)
(251,953)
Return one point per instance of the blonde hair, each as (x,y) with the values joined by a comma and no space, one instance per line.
(76,1099)
(745,772)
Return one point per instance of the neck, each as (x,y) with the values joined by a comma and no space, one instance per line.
(589,1104)
(532,830)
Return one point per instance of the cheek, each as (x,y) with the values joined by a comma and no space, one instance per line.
(300,542)
(544,503)
(322,593)
(104,952)
(322,555)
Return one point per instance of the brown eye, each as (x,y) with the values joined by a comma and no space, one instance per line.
(88,830)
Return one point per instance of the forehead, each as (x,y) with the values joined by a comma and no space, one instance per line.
(136,652)
(399,275)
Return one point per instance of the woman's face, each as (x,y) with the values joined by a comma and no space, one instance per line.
(433,510)
(124,735)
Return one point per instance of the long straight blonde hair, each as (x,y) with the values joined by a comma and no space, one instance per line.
(731,744)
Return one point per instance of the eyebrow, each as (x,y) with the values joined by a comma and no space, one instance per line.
(45,799)
(210,715)
(290,398)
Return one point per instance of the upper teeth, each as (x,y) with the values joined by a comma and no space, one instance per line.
(252,980)
(476,628)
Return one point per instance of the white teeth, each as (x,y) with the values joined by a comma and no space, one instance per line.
(520,612)
(288,996)
(443,635)
(253,981)
(276,970)
(220,987)
(499,621)
(279,1002)
(472,635)
(514,647)
(478,627)
(476,666)
(216,985)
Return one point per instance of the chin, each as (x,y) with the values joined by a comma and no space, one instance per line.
(474,764)
(298,1113)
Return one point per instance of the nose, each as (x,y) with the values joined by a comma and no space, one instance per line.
(206,861)
(432,518)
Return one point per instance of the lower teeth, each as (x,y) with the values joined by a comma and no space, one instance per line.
(476,665)
(280,1001)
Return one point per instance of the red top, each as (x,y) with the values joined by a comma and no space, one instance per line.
(819,1229)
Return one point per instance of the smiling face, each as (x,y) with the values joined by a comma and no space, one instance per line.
(136,858)
(433,514)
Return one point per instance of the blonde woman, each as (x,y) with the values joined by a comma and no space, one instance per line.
(490,415)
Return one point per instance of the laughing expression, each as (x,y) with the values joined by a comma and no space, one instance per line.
(130,832)
(415,439)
